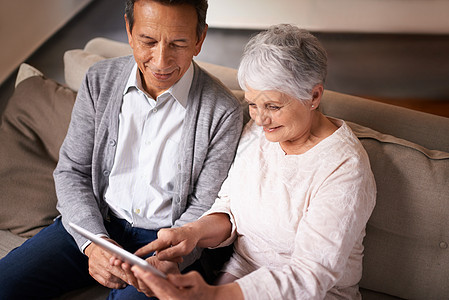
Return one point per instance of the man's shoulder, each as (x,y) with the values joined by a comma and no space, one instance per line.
(215,91)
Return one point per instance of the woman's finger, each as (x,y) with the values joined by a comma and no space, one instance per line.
(156,245)
(147,281)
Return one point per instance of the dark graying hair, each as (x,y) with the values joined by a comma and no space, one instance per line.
(199,5)
(283,58)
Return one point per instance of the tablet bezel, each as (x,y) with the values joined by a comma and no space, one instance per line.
(117,251)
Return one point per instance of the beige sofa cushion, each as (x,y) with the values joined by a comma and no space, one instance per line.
(26,71)
(76,64)
(108,48)
(406,247)
(78,61)
(33,127)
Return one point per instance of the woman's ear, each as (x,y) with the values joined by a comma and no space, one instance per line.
(317,93)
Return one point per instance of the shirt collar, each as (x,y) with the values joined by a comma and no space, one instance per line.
(179,91)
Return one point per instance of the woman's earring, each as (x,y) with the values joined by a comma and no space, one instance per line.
(313,106)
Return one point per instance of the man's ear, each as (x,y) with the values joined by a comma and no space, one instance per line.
(317,93)
(200,41)
(128,32)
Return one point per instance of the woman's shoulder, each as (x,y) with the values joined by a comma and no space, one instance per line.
(344,135)
(343,144)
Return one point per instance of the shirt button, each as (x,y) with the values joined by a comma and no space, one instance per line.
(112,143)
(155,110)
(106,173)
(137,211)
(443,245)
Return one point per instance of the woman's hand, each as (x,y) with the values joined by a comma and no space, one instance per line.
(172,243)
(189,286)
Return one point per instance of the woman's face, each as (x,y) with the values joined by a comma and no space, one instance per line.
(283,118)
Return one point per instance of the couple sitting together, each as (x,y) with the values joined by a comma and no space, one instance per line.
(155,160)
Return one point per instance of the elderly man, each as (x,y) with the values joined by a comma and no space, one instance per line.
(150,142)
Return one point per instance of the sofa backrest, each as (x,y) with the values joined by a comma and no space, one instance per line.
(425,129)
(406,246)
(407,236)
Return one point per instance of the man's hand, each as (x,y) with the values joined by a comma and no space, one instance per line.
(102,270)
(166,267)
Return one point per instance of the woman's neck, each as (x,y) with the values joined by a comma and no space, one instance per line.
(321,128)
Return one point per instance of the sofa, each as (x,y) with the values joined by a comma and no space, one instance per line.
(407,236)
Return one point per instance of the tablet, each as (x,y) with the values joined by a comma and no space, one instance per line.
(116,250)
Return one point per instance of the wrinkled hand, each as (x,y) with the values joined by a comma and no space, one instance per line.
(177,286)
(172,244)
(166,267)
(100,268)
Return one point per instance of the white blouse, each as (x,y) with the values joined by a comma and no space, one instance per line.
(298,220)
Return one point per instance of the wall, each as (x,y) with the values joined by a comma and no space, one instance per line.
(25,25)
(372,16)
(384,49)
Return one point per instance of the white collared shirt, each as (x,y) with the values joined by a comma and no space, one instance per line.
(141,182)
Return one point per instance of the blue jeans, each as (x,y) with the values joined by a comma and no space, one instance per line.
(50,263)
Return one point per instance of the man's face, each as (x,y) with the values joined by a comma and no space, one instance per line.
(164,41)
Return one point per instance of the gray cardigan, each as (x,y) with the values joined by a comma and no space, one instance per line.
(210,134)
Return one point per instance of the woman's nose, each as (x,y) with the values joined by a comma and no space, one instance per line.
(261,118)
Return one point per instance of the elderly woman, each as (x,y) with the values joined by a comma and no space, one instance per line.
(297,198)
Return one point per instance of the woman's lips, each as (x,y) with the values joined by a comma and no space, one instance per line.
(271,129)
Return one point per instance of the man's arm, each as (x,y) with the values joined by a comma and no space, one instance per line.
(74,183)
(73,174)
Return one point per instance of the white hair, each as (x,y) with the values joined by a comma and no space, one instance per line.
(283,58)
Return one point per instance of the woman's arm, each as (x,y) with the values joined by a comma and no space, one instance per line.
(173,243)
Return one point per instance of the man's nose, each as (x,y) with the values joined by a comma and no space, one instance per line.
(162,57)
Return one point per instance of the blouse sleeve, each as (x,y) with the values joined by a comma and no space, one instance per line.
(223,205)
(330,228)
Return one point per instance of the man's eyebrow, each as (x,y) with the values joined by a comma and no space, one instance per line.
(182,40)
(144,36)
